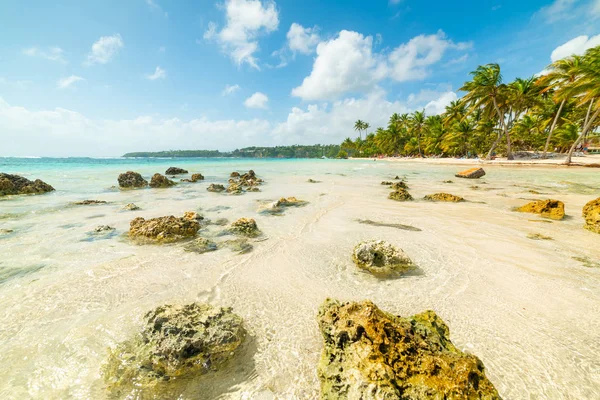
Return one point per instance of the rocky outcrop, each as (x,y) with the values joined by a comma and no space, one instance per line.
(15,184)
(552,209)
(591,214)
(371,354)
(248,179)
(193,215)
(234,174)
(473,173)
(89,202)
(387,183)
(400,195)
(177,343)
(163,229)
(201,245)
(103,229)
(310,180)
(131,179)
(214,187)
(131,207)
(443,197)
(245,227)
(290,202)
(159,181)
(175,171)
(235,188)
(399,185)
(197,177)
(381,258)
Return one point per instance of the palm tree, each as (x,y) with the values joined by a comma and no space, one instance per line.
(359,126)
(417,122)
(484,91)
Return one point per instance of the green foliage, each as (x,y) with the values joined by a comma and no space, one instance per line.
(296,151)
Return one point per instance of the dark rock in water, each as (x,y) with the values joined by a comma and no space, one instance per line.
(552,209)
(234,174)
(131,207)
(253,189)
(201,245)
(587,262)
(131,179)
(197,177)
(161,182)
(14,184)
(4,232)
(371,354)
(310,180)
(473,173)
(399,185)
(175,171)
(538,236)
(397,177)
(177,343)
(389,225)
(279,206)
(240,246)
(216,188)
(448,181)
(163,229)
(400,195)
(381,258)
(246,180)
(89,202)
(591,214)
(103,229)
(443,197)
(387,183)
(235,188)
(245,227)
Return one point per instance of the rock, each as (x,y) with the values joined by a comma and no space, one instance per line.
(131,207)
(201,245)
(103,229)
(290,202)
(473,173)
(310,180)
(253,189)
(4,232)
(215,188)
(387,183)
(400,195)
(534,192)
(234,188)
(538,236)
(163,229)
(443,197)
(177,343)
(15,184)
(161,182)
(552,209)
(591,214)
(448,181)
(131,179)
(240,245)
(235,174)
(245,227)
(194,216)
(371,354)
(248,179)
(399,185)
(197,177)
(389,225)
(89,202)
(381,258)
(175,171)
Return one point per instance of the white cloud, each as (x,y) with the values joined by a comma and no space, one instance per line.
(104,49)
(154,6)
(64,83)
(230,89)
(159,73)
(52,53)
(347,64)
(575,46)
(559,9)
(246,20)
(302,40)
(596,8)
(257,100)
(438,106)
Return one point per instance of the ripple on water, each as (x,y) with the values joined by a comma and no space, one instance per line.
(8,273)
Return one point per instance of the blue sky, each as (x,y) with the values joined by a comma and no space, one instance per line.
(101,78)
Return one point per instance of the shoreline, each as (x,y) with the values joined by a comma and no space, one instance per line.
(589,161)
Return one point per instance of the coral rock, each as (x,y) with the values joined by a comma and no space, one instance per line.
(193,215)
(14,184)
(552,209)
(381,258)
(371,354)
(400,195)
(591,214)
(161,181)
(201,245)
(175,171)
(235,175)
(131,207)
(245,227)
(131,179)
(163,229)
(89,202)
(197,177)
(473,173)
(399,185)
(443,197)
(215,188)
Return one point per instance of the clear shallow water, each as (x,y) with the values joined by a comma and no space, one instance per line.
(527,308)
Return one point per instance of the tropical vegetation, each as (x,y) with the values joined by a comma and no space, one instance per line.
(296,151)
(558,110)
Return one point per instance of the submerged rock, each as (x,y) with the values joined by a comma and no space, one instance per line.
(213,187)
(253,189)
(381,258)
(161,182)
(552,209)
(245,227)
(473,173)
(235,188)
(591,214)
(310,180)
(538,236)
(443,197)
(176,343)
(290,202)
(399,185)
(400,195)
(103,229)
(197,177)
(131,207)
(131,179)
(387,183)
(234,174)
(89,202)
(448,181)
(389,225)
(371,354)
(4,232)
(193,215)
(163,229)
(240,245)
(201,245)
(397,177)
(175,171)
(15,184)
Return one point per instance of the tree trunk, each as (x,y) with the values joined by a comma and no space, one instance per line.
(494,145)
(583,132)
(552,128)
(504,126)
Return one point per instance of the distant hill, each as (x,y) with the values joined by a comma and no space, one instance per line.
(296,151)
